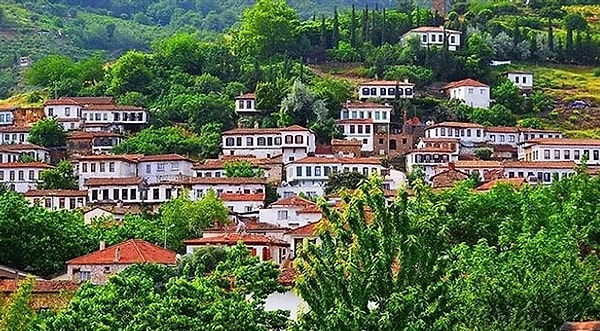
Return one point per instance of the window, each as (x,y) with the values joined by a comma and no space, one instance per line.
(468,132)
(576,154)
(401,91)
(102,167)
(289,139)
(352,129)
(124,194)
(21,175)
(116,194)
(511,138)
(424,36)
(377,116)
(241,104)
(299,139)
(524,79)
(308,171)
(174,166)
(432,38)
(269,141)
(11,175)
(567,154)
(596,155)
(470,91)
(359,129)
(557,154)
(84,167)
(517,79)
(2,175)
(111,167)
(478,132)
(155,193)
(317,171)
(261,141)
(384,115)
(97,116)
(326,170)
(367,129)
(160,167)
(409,91)
(148,168)
(443,132)
(93,167)
(493,137)
(365,91)
(105,194)
(50,112)
(282,215)
(546,154)
(365,141)
(501,138)
(373,91)
(249,141)
(452,39)
(392,91)
(299,171)
(229,141)
(382,91)
(67,111)
(84,275)
(277,141)
(133,194)
(238,141)
(31,174)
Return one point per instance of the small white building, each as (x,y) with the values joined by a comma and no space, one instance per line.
(165,167)
(542,172)
(14,134)
(22,177)
(434,36)
(198,186)
(113,212)
(386,89)
(15,153)
(58,199)
(66,110)
(432,152)
(526,134)
(106,166)
(7,116)
(522,79)
(292,142)
(291,212)
(468,134)
(363,120)
(502,135)
(115,190)
(560,149)
(243,203)
(471,92)
(245,104)
(358,129)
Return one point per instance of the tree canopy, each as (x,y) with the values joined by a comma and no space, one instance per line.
(62,177)
(47,133)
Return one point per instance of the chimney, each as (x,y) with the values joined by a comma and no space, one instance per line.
(451,166)
(406,80)
(256,125)
(102,245)
(117,254)
(119,203)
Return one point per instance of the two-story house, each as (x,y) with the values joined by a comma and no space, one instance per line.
(58,199)
(113,190)
(468,134)
(469,91)
(14,134)
(245,104)
(16,153)
(7,115)
(434,36)
(522,79)
(114,117)
(66,110)
(88,143)
(291,212)
(432,152)
(106,166)
(561,149)
(386,90)
(291,142)
(22,177)
(166,167)
(363,121)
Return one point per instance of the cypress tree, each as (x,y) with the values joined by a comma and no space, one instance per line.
(336,29)
(374,39)
(323,33)
(550,35)
(353,27)
(365,24)
(383,28)
(569,43)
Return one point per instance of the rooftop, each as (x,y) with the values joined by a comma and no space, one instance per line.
(464,125)
(469,82)
(128,252)
(307,230)
(246,96)
(387,83)
(41,286)
(37,165)
(565,142)
(113,181)
(131,158)
(251,226)
(164,157)
(20,147)
(433,29)
(233,238)
(502,129)
(540,164)
(365,104)
(15,129)
(516,182)
(293,200)
(342,160)
(56,193)
(232,197)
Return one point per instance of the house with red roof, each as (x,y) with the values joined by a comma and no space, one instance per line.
(434,36)
(243,203)
(249,226)
(469,91)
(101,264)
(46,294)
(290,212)
(22,176)
(245,104)
(58,199)
(296,236)
(265,247)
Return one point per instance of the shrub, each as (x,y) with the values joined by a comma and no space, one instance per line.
(597,72)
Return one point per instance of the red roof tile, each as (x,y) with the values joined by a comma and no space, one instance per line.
(246,96)
(346,142)
(15,129)
(94,100)
(41,286)
(465,82)
(477,164)
(502,129)
(294,127)
(234,238)
(56,193)
(457,125)
(131,158)
(516,182)
(307,230)
(128,252)
(251,131)
(61,101)
(251,226)
(431,149)
(91,134)
(164,157)
(324,150)
(288,274)
(112,107)
(355,121)
(242,197)
(386,83)
(566,142)
(366,104)
(113,181)
(37,165)
(20,147)
(293,200)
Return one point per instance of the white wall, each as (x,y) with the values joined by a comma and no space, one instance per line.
(476,97)
(287,216)
(29,177)
(243,206)
(156,171)
(112,168)
(522,80)
(14,137)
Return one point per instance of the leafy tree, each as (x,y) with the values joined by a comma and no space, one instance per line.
(146,296)
(531,122)
(301,106)
(344,180)
(242,169)
(132,72)
(269,95)
(62,177)
(267,29)
(484,153)
(508,95)
(202,261)
(495,115)
(48,133)
(18,314)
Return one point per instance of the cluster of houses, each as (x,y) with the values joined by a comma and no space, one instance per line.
(113,185)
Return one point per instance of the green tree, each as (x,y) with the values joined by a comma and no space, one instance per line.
(344,180)
(508,95)
(242,169)
(62,177)
(132,72)
(202,261)
(267,29)
(484,153)
(48,133)
(18,314)
(301,106)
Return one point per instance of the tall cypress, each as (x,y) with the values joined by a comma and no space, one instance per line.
(374,39)
(383,28)
(336,29)
(365,24)
(569,43)
(550,35)
(353,27)
(323,33)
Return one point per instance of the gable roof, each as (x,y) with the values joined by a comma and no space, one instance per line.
(41,286)
(387,83)
(433,29)
(233,238)
(246,96)
(307,230)
(469,82)
(232,197)
(163,157)
(293,200)
(251,226)
(565,142)
(113,181)
(25,165)
(20,147)
(456,125)
(56,193)
(128,252)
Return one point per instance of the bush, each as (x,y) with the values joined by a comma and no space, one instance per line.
(343,53)
(597,72)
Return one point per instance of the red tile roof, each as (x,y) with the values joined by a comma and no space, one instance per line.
(431,149)
(457,125)
(251,226)
(465,82)
(342,160)
(294,127)
(234,238)
(516,182)
(439,140)
(94,100)
(20,147)
(251,131)
(288,274)
(91,134)
(324,150)
(112,107)
(242,197)
(307,230)
(355,121)
(163,157)
(540,164)
(131,158)
(56,193)
(366,104)
(36,165)
(346,142)
(504,148)
(128,252)
(113,181)
(119,210)
(293,200)
(61,101)
(312,209)
(477,164)
(502,129)
(566,142)
(246,96)
(386,83)
(15,129)
(41,286)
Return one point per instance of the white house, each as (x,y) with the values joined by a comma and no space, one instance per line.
(471,92)
(362,120)
(66,110)
(522,79)
(543,172)
(58,199)
(166,167)
(292,142)
(502,135)
(22,177)
(245,104)
(386,89)
(264,247)
(526,134)
(14,152)
(243,203)
(291,212)
(468,134)
(432,152)
(114,212)
(106,166)
(198,186)
(7,116)
(14,134)
(115,189)
(434,36)
(560,149)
